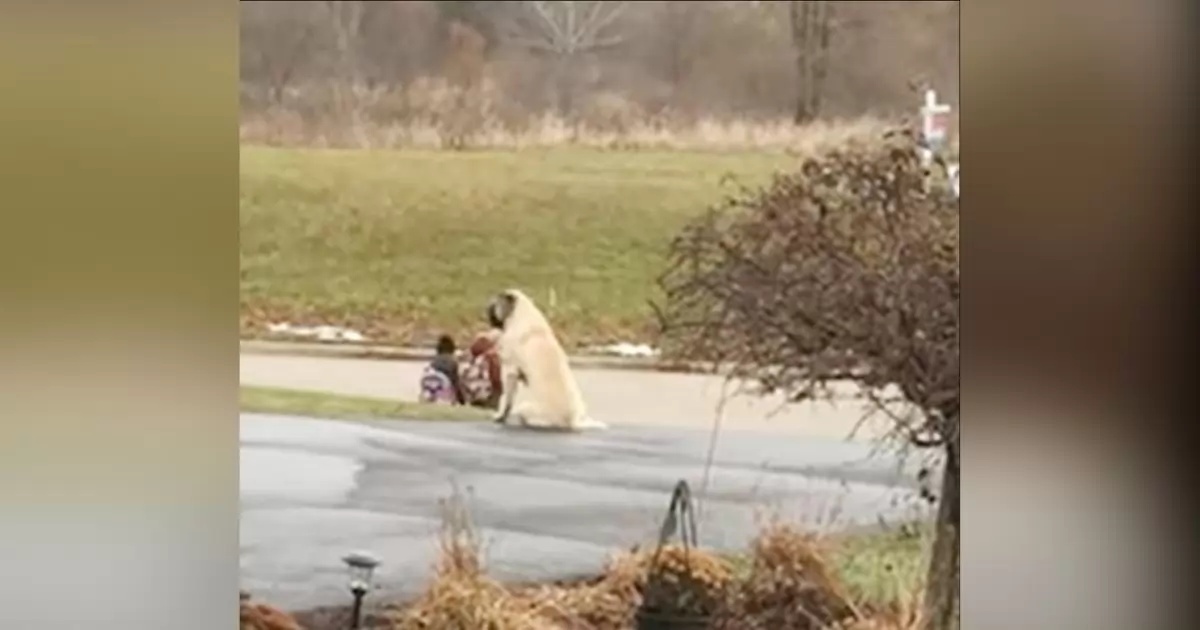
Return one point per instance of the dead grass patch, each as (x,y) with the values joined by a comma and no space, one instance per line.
(429,119)
(789,584)
(259,616)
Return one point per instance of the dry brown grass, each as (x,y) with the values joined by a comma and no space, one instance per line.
(433,114)
(461,596)
(258,616)
(789,584)
(282,128)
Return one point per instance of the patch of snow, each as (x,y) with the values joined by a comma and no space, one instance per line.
(270,473)
(626,349)
(320,333)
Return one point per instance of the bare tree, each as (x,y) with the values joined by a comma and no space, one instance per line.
(810,23)
(397,41)
(345,20)
(276,40)
(847,270)
(795,58)
(463,66)
(480,15)
(565,31)
(678,22)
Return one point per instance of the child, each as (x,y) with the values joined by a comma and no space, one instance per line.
(481,378)
(440,380)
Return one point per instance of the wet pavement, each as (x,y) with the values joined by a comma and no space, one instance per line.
(547,505)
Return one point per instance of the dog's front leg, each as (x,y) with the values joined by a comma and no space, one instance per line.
(508,395)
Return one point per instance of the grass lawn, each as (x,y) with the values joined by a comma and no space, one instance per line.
(882,567)
(322,405)
(404,244)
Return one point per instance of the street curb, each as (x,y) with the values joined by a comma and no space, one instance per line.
(399,353)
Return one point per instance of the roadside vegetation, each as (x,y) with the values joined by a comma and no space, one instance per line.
(787,578)
(334,406)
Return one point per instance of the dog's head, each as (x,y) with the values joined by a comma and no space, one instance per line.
(501,308)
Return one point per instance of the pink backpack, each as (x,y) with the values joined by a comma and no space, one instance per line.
(436,386)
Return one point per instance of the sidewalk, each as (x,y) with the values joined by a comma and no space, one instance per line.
(405,353)
(618,397)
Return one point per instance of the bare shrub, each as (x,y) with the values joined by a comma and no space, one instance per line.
(789,586)
(845,270)
(850,262)
(610,112)
(608,601)
(450,114)
(461,596)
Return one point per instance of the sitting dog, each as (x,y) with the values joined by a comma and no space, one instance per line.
(539,389)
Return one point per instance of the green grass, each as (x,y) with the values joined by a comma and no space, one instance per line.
(335,406)
(404,244)
(881,568)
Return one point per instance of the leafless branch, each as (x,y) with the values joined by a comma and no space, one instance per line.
(566,28)
(557,33)
(845,270)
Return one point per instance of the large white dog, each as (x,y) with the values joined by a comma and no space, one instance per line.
(539,389)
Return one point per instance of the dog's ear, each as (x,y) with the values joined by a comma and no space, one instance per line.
(500,308)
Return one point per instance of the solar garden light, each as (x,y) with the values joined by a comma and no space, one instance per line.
(361,565)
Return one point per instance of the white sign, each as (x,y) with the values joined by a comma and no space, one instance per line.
(935,131)
(935,125)
(935,120)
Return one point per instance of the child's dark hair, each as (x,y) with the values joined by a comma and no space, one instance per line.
(445,345)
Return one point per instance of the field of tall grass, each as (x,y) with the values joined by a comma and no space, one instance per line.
(284,128)
(433,114)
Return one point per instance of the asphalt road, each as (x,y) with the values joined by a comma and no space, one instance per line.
(548,505)
(617,397)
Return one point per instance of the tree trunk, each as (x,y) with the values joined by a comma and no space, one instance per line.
(565,67)
(346,17)
(810,24)
(821,63)
(799,14)
(942,584)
